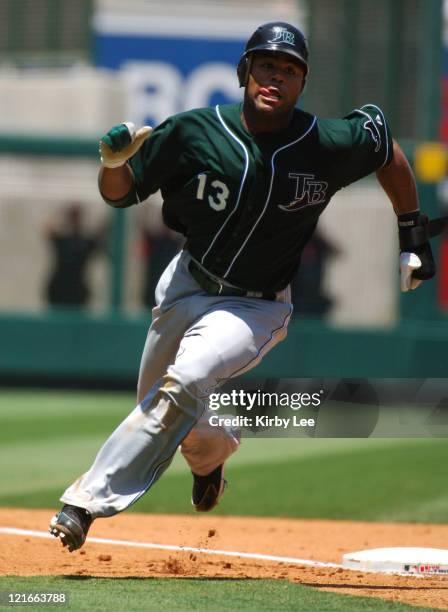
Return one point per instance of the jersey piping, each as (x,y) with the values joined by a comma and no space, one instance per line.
(269,192)
(264,348)
(246,168)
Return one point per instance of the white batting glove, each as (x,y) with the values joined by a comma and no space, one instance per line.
(122,142)
(408,263)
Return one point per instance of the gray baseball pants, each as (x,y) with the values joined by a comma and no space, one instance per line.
(195,343)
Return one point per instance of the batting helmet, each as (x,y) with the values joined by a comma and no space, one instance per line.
(274,36)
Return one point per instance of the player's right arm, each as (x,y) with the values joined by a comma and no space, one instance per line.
(116,179)
(135,166)
(115,184)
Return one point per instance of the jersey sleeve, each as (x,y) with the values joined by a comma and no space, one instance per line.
(153,164)
(366,146)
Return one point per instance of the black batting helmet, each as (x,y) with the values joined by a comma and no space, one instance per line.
(274,36)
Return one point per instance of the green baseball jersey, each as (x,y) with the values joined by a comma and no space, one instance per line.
(248,204)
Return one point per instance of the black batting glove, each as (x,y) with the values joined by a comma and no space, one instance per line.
(416,259)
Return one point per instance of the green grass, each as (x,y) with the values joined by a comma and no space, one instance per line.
(47,438)
(394,482)
(135,594)
(42,415)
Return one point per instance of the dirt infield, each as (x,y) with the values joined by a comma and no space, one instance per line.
(306,539)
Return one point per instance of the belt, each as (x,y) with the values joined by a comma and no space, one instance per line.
(212,286)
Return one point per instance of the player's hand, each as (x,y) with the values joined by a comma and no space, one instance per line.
(416,259)
(122,142)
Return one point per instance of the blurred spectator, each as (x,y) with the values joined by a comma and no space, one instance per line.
(72,248)
(308,294)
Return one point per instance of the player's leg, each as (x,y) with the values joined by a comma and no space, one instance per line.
(221,345)
(138,452)
(123,468)
(218,345)
(131,460)
(141,448)
(231,337)
(170,319)
(211,446)
(206,449)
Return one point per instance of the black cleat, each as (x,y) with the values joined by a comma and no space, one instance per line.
(208,490)
(71,525)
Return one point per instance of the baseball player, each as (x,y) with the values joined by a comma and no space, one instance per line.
(245,184)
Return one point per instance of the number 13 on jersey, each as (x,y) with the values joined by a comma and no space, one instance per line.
(219,194)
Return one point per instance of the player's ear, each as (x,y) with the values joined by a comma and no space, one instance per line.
(243,70)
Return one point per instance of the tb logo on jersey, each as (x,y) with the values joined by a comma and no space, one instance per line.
(373,130)
(308,192)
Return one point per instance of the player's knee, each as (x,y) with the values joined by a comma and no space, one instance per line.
(199,383)
(181,394)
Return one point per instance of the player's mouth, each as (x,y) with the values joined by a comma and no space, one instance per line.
(270,94)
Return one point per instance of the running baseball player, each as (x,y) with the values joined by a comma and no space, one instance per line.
(245,184)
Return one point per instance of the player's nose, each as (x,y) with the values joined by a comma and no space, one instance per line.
(277,76)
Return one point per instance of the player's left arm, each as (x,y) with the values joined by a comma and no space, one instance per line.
(416,259)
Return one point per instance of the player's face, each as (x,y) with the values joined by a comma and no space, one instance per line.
(275,82)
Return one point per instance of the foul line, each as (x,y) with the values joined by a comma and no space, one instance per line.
(172,547)
(209,551)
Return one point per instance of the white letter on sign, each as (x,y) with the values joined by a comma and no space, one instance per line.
(152,89)
(207,80)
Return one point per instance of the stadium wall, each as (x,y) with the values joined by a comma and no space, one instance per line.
(106,350)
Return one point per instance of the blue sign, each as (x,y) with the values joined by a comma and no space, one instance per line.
(166,74)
